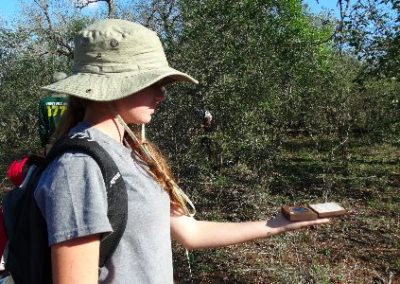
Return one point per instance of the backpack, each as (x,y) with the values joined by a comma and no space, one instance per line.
(27,254)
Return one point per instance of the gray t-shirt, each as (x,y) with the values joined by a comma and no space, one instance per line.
(71,195)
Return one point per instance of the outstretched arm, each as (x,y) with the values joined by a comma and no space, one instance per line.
(194,234)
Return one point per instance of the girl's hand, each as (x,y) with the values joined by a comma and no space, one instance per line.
(281,224)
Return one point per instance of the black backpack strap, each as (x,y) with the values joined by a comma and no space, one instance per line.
(117,196)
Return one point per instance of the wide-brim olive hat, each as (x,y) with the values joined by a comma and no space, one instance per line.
(115,58)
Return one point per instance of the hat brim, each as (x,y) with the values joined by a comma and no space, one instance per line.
(114,86)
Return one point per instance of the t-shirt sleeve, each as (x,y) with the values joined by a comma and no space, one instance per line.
(72,197)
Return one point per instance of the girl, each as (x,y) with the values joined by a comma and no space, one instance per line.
(119,73)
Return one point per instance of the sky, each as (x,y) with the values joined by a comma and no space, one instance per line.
(329,5)
(10,8)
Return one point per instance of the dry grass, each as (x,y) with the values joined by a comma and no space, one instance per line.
(361,247)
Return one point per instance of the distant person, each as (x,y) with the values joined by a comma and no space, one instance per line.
(51,108)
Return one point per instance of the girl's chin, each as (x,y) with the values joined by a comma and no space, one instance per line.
(142,121)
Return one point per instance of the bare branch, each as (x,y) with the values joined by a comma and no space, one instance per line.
(340,24)
(64,48)
(110,4)
(152,13)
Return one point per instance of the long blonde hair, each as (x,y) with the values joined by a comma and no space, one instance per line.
(146,151)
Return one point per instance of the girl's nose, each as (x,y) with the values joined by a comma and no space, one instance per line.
(161,94)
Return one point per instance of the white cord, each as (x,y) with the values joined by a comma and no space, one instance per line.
(191,212)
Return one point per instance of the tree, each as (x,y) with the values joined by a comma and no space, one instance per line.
(80,4)
(29,55)
(243,55)
(372,28)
